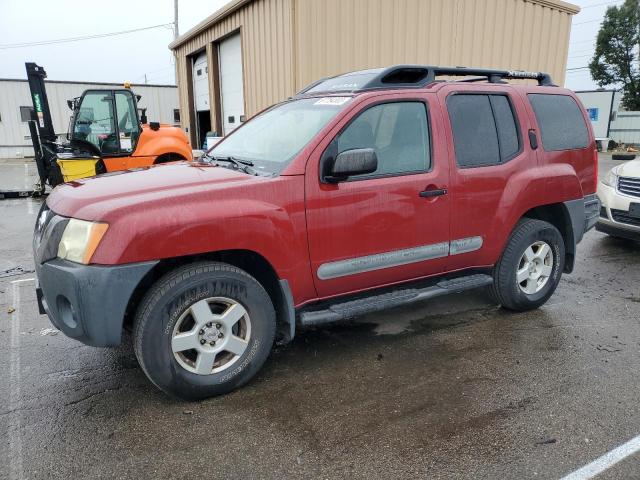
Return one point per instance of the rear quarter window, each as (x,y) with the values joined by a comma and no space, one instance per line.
(562,126)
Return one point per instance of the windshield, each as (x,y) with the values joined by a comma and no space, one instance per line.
(272,139)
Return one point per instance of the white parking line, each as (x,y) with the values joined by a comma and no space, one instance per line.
(24,280)
(15,436)
(606,461)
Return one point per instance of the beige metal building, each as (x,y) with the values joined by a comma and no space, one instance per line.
(253,53)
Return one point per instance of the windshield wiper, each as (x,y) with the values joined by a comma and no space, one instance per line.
(238,163)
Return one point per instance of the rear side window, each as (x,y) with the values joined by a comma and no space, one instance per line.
(561,123)
(484,129)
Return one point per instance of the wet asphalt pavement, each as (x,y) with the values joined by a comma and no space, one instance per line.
(451,388)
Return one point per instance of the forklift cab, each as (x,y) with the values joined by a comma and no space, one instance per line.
(108,120)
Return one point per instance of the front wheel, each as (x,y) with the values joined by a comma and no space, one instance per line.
(204,330)
(530,267)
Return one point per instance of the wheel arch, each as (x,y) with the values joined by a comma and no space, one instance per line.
(558,215)
(251,262)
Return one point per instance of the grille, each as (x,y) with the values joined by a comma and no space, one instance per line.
(629,186)
(624,217)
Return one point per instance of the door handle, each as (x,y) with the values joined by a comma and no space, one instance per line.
(433,193)
(533,139)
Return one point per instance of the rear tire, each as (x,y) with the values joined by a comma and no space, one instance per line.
(203,330)
(168,157)
(623,156)
(530,267)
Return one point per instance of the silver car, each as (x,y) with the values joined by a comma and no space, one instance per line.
(619,192)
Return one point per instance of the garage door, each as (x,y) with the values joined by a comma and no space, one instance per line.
(201,82)
(231,83)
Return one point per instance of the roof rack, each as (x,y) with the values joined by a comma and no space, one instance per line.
(415,76)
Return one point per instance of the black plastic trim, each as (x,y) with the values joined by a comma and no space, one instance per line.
(88,302)
(289,313)
(428,73)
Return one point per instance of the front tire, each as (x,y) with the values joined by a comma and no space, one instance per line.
(203,330)
(530,267)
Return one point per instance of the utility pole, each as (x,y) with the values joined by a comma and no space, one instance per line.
(175,19)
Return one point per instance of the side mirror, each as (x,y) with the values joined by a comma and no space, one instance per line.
(359,161)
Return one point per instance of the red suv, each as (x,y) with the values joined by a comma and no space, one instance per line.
(365,191)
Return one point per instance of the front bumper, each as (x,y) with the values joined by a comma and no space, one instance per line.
(614,216)
(88,302)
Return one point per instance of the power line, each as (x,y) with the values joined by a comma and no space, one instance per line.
(615,2)
(78,39)
(581,56)
(600,4)
(588,21)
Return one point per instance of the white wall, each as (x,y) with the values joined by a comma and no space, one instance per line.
(626,128)
(601,105)
(15,140)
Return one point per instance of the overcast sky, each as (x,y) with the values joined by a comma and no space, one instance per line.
(129,57)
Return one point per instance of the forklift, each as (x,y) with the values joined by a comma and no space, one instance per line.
(107,132)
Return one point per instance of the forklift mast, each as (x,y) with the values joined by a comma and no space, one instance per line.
(36,76)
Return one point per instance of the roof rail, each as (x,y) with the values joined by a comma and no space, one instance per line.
(415,76)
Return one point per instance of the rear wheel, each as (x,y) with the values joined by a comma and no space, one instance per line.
(530,267)
(204,330)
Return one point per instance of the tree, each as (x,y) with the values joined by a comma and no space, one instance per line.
(615,61)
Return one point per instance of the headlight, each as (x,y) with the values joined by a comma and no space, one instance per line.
(80,239)
(611,178)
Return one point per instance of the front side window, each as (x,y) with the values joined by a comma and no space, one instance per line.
(484,129)
(95,121)
(397,132)
(562,126)
(272,139)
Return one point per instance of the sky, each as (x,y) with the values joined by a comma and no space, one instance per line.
(131,57)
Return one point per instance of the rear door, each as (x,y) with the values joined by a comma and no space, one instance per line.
(486,129)
(380,228)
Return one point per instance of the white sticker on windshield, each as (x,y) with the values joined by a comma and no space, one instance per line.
(333,101)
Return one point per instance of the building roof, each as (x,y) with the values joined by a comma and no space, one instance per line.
(235,5)
(77,82)
(212,19)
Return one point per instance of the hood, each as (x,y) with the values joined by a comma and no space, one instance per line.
(95,198)
(629,169)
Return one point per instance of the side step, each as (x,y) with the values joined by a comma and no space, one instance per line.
(395,298)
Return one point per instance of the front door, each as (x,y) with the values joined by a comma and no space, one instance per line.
(389,226)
